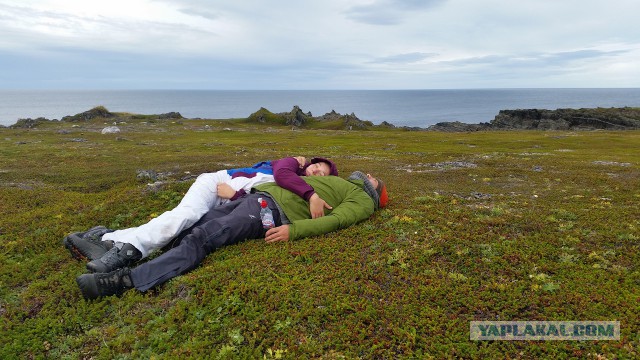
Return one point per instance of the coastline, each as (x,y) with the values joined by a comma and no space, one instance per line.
(625,118)
(410,108)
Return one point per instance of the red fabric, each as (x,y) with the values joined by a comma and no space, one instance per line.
(384,198)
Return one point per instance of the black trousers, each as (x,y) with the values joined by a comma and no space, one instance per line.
(224,225)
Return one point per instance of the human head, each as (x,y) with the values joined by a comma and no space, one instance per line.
(321,167)
(374,187)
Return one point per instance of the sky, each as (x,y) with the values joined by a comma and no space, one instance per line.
(319,44)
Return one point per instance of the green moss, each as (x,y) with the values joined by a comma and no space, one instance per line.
(481,226)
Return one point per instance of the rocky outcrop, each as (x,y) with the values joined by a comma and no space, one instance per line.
(457,126)
(96,112)
(626,118)
(568,119)
(99,112)
(170,116)
(29,123)
(298,118)
(561,119)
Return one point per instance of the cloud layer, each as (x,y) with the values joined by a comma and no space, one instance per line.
(330,44)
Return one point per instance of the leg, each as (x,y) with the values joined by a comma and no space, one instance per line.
(224,225)
(199,199)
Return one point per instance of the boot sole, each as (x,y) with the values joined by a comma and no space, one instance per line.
(88,251)
(68,243)
(88,287)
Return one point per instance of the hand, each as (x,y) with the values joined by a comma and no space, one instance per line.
(301,161)
(280,233)
(317,206)
(225,191)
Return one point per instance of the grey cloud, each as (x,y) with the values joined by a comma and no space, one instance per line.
(372,16)
(537,59)
(581,55)
(403,58)
(113,34)
(388,12)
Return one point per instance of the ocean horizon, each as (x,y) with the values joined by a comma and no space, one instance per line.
(420,108)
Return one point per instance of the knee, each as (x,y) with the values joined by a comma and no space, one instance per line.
(193,244)
(215,240)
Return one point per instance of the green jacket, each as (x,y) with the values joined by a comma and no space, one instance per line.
(347,198)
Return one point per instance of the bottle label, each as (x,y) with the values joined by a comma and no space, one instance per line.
(266,215)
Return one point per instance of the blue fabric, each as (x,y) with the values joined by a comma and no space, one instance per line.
(264,167)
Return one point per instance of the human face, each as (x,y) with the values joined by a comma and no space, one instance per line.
(318,169)
(373,181)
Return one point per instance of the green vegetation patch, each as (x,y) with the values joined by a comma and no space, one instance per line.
(481,226)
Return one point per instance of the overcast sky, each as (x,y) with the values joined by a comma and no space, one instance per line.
(318,44)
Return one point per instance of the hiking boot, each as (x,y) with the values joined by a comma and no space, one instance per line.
(89,244)
(115,258)
(105,284)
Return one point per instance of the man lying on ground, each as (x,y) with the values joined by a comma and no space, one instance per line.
(351,201)
(108,250)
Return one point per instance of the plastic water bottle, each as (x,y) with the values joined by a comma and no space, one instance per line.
(266,215)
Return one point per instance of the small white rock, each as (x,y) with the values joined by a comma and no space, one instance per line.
(111,130)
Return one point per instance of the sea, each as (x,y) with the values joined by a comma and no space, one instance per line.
(414,108)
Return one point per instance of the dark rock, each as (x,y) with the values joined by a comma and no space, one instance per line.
(296,117)
(626,118)
(456,126)
(567,119)
(480,196)
(330,116)
(170,115)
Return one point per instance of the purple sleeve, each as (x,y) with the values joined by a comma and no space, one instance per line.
(287,172)
(240,193)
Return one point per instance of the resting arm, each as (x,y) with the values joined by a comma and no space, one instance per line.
(240,185)
(356,206)
(286,173)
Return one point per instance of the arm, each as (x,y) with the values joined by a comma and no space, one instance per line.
(356,206)
(239,186)
(302,161)
(286,173)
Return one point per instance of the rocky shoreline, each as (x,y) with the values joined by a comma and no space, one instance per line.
(626,118)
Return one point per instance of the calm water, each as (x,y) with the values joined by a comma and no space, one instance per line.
(400,107)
